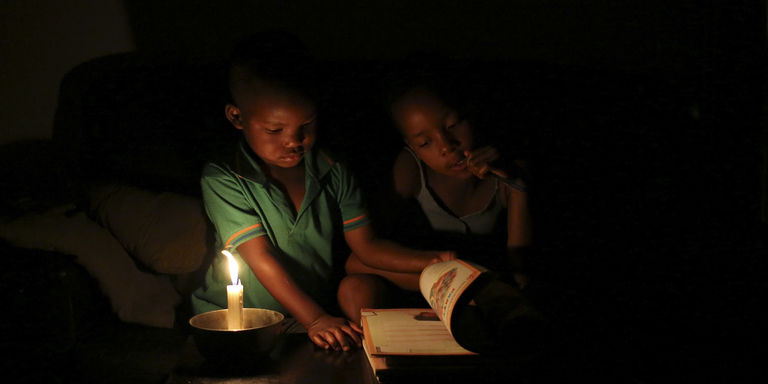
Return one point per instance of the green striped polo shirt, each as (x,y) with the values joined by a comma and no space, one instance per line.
(243,204)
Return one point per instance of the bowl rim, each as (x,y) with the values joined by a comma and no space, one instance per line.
(280,319)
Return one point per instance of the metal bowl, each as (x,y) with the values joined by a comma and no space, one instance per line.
(215,341)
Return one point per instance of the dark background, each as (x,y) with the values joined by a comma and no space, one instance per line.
(643,123)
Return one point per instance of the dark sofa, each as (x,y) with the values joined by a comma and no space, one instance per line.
(106,216)
(103,226)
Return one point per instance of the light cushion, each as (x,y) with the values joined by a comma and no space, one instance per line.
(135,296)
(166,232)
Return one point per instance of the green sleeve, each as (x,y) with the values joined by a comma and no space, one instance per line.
(350,198)
(232,214)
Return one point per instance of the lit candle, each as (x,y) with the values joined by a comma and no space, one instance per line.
(234,295)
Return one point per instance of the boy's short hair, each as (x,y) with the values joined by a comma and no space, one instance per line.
(276,57)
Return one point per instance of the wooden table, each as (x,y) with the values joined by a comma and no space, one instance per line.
(295,359)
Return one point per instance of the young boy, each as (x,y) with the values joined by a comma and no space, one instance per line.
(283,206)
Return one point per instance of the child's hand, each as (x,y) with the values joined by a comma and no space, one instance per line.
(441,256)
(478,161)
(335,333)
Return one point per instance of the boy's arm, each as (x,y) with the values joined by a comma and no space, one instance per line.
(389,256)
(373,251)
(324,330)
(404,280)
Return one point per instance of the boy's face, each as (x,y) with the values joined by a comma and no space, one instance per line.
(278,125)
(437,134)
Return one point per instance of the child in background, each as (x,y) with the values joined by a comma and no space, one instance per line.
(448,177)
(442,169)
(287,209)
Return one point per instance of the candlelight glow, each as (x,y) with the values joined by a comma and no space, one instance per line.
(233,268)
(234,295)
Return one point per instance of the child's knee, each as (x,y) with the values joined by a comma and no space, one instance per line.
(361,287)
(351,264)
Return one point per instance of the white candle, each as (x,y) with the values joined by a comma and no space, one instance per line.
(235,306)
(234,295)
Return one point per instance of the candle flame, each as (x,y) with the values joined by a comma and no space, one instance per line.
(233,268)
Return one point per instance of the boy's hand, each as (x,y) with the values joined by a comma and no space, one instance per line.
(478,161)
(335,333)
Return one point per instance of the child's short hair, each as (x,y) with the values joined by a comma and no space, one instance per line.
(277,57)
(435,74)
(450,80)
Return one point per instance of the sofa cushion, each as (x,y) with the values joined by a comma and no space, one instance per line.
(164,231)
(136,296)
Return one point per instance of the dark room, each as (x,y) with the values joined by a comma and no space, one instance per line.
(252,191)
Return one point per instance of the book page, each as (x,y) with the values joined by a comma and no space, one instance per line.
(413,331)
(443,283)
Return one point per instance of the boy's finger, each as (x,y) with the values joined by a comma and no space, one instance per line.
(356,327)
(331,340)
(341,339)
(320,342)
(352,336)
(357,342)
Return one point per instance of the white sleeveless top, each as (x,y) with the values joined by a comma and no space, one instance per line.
(478,223)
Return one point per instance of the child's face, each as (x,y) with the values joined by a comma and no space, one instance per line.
(437,134)
(278,125)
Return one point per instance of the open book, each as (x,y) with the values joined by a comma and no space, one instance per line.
(422,336)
